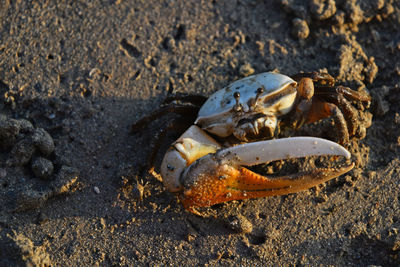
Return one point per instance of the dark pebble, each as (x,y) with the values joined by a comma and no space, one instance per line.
(25,126)
(43,141)
(42,168)
(300,29)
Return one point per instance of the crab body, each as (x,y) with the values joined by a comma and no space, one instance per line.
(250,103)
(252,108)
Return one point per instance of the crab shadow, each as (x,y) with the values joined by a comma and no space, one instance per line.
(95,136)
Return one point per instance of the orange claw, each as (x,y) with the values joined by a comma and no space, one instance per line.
(203,174)
(225,183)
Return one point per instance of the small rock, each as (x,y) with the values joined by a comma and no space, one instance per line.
(300,29)
(239,224)
(246,70)
(43,141)
(42,168)
(354,12)
(25,126)
(96,190)
(323,9)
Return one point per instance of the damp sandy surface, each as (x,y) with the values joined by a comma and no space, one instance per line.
(84,71)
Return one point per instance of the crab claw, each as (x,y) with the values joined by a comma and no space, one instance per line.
(220,177)
(203,174)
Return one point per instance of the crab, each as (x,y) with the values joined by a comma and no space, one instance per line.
(233,129)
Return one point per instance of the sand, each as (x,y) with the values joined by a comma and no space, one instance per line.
(80,73)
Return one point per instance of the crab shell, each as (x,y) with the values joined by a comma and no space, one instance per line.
(219,114)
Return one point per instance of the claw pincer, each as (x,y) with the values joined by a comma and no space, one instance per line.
(204,174)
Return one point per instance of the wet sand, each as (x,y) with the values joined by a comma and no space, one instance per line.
(79,74)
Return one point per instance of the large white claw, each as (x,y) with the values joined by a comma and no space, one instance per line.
(203,174)
(219,177)
(294,147)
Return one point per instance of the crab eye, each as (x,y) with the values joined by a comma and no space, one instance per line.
(237,106)
(259,92)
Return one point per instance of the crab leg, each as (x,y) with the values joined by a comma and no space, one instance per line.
(219,177)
